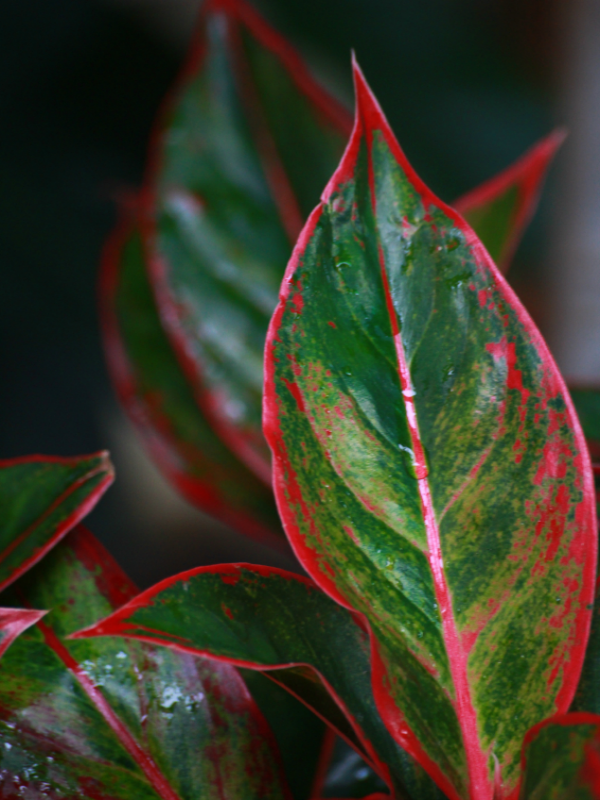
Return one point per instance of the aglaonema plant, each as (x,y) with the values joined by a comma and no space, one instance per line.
(239,158)
(426,461)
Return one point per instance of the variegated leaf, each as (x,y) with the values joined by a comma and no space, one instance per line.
(429,467)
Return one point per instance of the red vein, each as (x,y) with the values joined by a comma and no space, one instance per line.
(480,786)
(156,779)
(275,173)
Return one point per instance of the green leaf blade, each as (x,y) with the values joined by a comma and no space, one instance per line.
(247,143)
(42,498)
(403,379)
(120,719)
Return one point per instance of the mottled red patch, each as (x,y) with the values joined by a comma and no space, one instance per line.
(227,611)
(296,300)
(296,394)
(231,579)
(514,380)
(351,534)
(483,295)
(590,771)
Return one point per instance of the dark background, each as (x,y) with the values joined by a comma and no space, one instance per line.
(468,85)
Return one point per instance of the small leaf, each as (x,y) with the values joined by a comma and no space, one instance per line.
(41,499)
(429,467)
(562,759)
(500,209)
(159,400)
(245,147)
(262,617)
(119,719)
(13,621)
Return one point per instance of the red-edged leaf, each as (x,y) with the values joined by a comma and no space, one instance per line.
(268,619)
(561,759)
(41,499)
(429,467)
(13,621)
(500,209)
(118,719)
(159,400)
(244,148)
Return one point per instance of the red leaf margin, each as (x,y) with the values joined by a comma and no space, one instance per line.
(160,440)
(369,112)
(13,621)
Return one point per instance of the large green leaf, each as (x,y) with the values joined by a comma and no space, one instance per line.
(429,467)
(500,209)
(41,499)
(263,617)
(246,145)
(153,389)
(116,719)
(562,759)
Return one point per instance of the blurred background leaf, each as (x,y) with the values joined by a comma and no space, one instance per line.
(468,85)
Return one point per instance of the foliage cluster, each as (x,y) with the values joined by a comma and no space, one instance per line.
(385,409)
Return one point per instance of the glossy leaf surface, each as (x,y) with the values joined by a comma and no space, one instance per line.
(562,759)
(13,621)
(41,499)
(246,146)
(265,618)
(158,398)
(500,209)
(116,719)
(429,467)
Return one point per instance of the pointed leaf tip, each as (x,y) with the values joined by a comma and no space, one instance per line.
(398,349)
(501,208)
